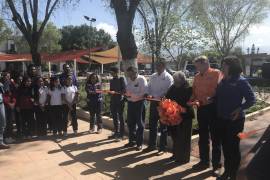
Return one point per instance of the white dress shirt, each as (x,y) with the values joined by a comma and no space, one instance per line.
(159,84)
(56,96)
(43,92)
(136,89)
(70,93)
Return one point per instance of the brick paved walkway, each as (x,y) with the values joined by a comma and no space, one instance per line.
(88,156)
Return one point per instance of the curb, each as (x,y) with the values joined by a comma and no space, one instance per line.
(252,116)
(108,123)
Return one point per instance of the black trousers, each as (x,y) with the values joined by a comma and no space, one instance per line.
(181,136)
(18,120)
(74,121)
(206,116)
(41,118)
(258,168)
(10,116)
(49,118)
(28,122)
(135,122)
(95,114)
(117,109)
(153,127)
(228,131)
(56,113)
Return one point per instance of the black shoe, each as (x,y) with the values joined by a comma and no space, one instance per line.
(149,149)
(130,144)
(114,136)
(4,146)
(216,169)
(160,152)
(224,176)
(138,148)
(181,162)
(200,166)
(172,158)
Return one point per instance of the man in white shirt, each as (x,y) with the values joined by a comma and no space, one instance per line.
(158,86)
(135,91)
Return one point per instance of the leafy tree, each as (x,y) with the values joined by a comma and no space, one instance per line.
(27,14)
(184,41)
(226,21)
(159,19)
(83,37)
(49,41)
(5,31)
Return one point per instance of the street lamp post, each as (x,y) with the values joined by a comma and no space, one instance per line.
(90,20)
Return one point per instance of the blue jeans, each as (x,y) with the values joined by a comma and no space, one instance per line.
(2,122)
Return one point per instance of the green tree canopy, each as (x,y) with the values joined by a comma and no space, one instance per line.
(49,41)
(226,21)
(83,37)
(31,17)
(5,31)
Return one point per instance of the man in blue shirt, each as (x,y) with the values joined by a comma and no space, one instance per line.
(67,72)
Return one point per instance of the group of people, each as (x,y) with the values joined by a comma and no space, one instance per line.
(220,98)
(37,105)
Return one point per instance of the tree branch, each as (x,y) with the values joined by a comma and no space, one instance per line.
(25,15)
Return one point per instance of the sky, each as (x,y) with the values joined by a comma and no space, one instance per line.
(258,35)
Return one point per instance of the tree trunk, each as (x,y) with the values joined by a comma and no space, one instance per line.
(36,58)
(125,37)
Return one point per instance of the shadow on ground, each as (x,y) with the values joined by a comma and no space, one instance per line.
(122,162)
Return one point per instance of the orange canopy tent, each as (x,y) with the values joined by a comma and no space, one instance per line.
(114,54)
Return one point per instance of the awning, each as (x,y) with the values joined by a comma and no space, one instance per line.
(68,55)
(56,57)
(15,57)
(111,56)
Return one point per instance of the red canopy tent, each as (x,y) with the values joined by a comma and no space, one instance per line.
(74,55)
(56,57)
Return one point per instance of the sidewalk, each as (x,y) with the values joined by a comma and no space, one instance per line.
(263,121)
(89,156)
(92,156)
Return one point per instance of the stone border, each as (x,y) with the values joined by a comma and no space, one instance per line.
(252,116)
(108,123)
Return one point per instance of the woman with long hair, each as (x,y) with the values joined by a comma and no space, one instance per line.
(94,101)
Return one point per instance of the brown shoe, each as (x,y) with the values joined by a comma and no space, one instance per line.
(4,146)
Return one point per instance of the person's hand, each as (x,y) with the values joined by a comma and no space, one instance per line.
(11,105)
(194,104)
(42,108)
(235,114)
(70,107)
(209,100)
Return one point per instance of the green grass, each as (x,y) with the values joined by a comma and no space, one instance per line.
(258,106)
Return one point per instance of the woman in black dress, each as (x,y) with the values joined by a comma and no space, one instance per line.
(181,92)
